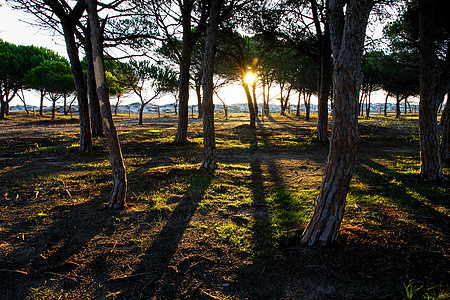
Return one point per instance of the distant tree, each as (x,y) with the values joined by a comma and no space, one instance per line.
(372,78)
(54,77)
(149,82)
(399,76)
(15,63)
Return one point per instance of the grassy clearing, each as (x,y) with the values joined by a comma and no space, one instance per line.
(192,233)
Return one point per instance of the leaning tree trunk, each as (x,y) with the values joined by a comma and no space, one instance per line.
(141,114)
(81,88)
(324,88)
(209,140)
(251,109)
(119,190)
(430,159)
(347,31)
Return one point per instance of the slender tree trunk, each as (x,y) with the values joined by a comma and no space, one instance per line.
(385,105)
(397,107)
(307,100)
(94,105)
(251,109)
(209,139)
(119,190)
(298,104)
(41,106)
(368,104)
(347,30)
(53,109)
(3,110)
(255,103)
(430,159)
(198,91)
(81,88)
(116,107)
(185,64)
(324,87)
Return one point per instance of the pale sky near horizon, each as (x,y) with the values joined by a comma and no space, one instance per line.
(14,29)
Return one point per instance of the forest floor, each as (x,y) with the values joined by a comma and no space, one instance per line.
(228,234)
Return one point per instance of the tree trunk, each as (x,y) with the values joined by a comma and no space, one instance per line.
(116,107)
(119,190)
(209,139)
(141,114)
(368,104)
(255,103)
(297,114)
(41,106)
(185,64)
(53,109)
(81,88)
(307,100)
(347,31)
(198,92)
(430,159)
(397,107)
(3,110)
(251,109)
(324,87)
(94,105)
(385,105)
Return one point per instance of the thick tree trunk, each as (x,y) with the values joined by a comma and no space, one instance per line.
(81,88)
(94,105)
(53,109)
(324,88)
(119,190)
(209,139)
(430,159)
(347,31)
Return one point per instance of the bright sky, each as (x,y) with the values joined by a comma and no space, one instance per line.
(14,29)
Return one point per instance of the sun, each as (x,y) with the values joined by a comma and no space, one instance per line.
(250,78)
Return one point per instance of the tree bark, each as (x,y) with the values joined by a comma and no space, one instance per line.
(94,104)
(41,102)
(445,123)
(209,140)
(347,31)
(430,159)
(251,109)
(185,64)
(119,190)
(141,113)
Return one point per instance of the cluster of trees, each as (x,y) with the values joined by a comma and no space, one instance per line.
(311,46)
(30,67)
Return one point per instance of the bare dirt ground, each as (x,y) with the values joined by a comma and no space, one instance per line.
(228,234)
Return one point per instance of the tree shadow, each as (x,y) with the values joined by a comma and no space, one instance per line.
(157,274)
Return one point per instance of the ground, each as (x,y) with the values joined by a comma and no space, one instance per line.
(232,233)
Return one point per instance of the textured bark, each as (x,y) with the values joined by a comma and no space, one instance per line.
(81,87)
(347,32)
(119,189)
(430,159)
(209,140)
(94,104)
(198,92)
(188,43)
